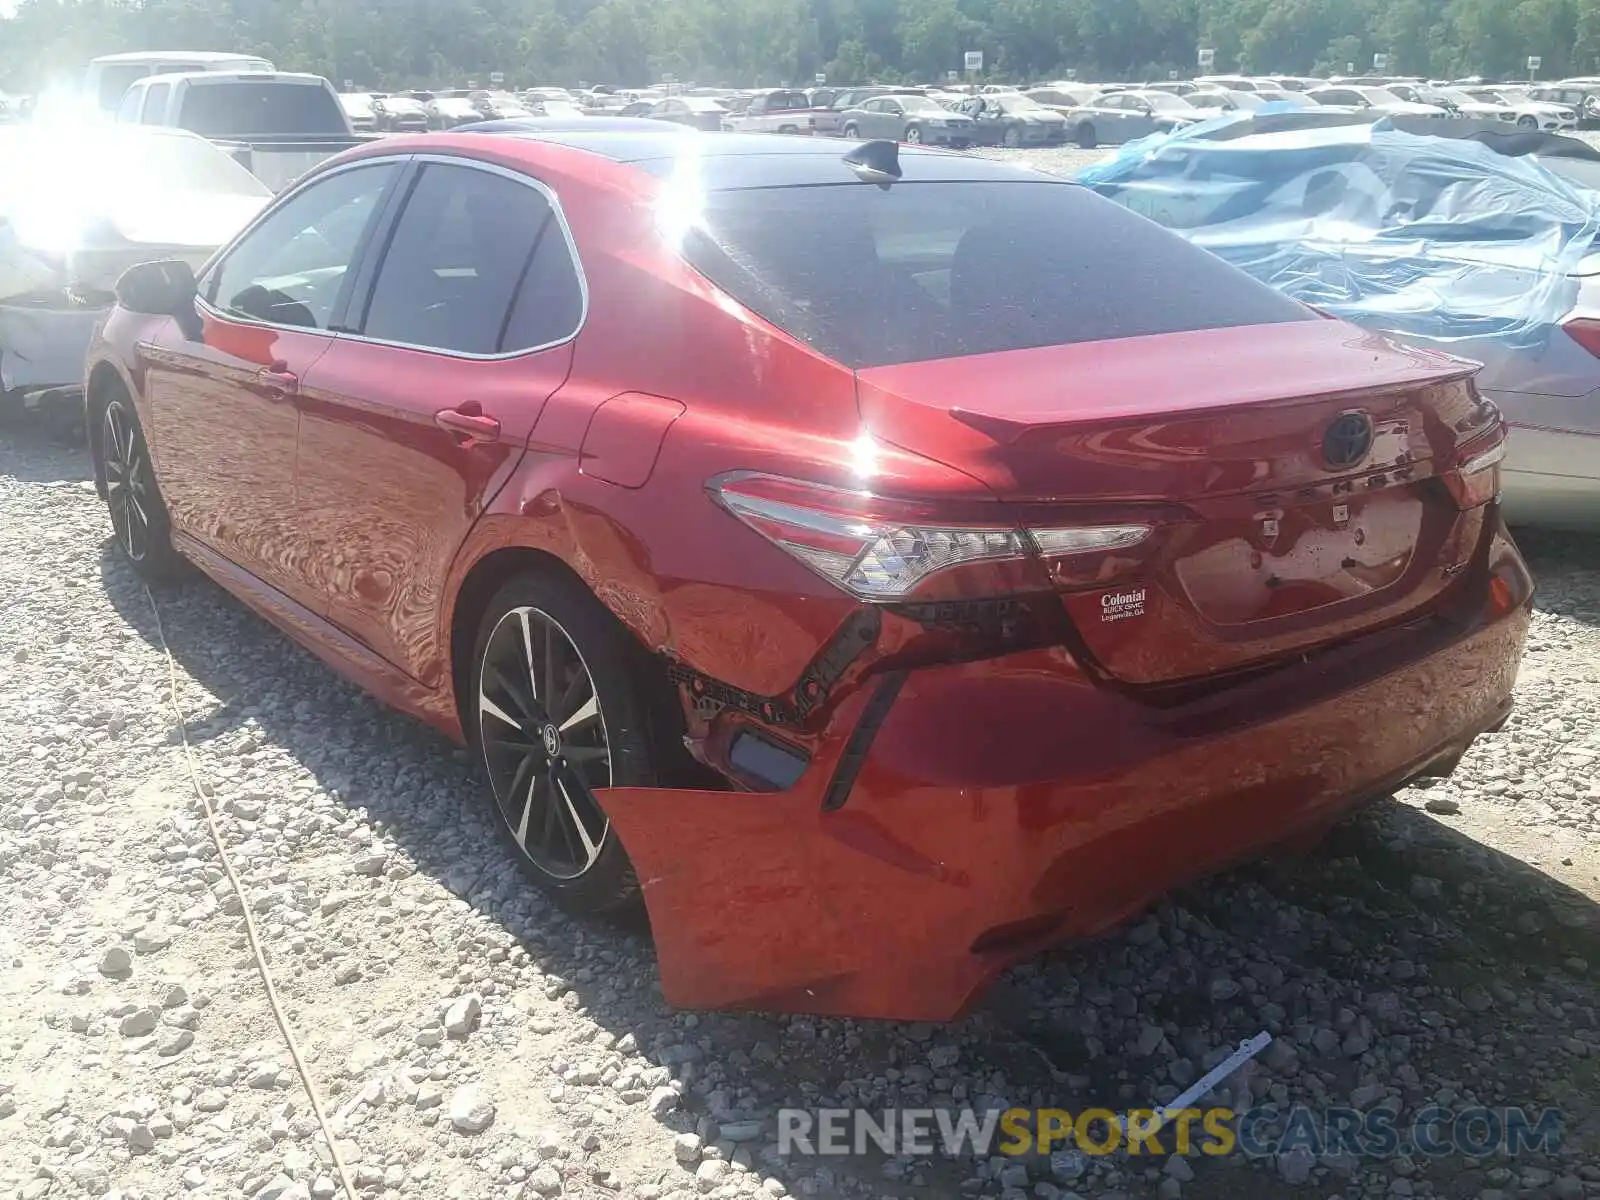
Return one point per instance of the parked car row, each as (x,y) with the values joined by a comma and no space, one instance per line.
(415,111)
(1045,114)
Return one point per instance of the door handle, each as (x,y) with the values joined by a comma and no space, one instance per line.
(279,377)
(471,426)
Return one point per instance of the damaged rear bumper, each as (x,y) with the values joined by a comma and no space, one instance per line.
(1007,804)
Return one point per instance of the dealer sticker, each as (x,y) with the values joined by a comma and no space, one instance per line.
(1119,606)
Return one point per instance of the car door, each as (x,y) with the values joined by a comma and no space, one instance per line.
(982,121)
(1118,121)
(225,404)
(461,331)
(893,120)
(1139,118)
(1142,117)
(869,120)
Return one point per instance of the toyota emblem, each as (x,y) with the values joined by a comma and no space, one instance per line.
(1348,440)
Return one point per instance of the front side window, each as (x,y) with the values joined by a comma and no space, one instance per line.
(290,268)
(478,264)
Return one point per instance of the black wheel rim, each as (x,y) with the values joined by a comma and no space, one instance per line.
(544,742)
(130,490)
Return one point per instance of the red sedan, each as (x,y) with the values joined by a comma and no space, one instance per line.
(884,563)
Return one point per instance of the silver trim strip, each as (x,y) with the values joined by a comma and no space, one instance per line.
(452,160)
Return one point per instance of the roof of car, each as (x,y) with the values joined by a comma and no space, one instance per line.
(299,78)
(178,56)
(737,160)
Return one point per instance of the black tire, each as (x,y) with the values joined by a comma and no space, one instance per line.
(1013,137)
(528,610)
(1086,137)
(914,135)
(139,521)
(852,130)
(1529,122)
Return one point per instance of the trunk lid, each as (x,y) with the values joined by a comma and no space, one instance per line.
(1290,473)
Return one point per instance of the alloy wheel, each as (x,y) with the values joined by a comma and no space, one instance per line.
(914,136)
(130,494)
(544,742)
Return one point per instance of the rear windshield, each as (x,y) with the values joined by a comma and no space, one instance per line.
(260,109)
(787,101)
(939,270)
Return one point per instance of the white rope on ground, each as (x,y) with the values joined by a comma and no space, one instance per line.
(251,933)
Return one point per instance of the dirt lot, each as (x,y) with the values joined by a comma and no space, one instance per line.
(470,1042)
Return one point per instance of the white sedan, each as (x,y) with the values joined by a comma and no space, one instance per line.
(1376,99)
(1531,114)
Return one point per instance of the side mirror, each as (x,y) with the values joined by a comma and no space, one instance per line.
(165,288)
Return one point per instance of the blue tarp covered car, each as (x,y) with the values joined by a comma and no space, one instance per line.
(1484,248)
(1445,238)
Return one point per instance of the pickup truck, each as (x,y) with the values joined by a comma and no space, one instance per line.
(781,110)
(277,124)
(111,75)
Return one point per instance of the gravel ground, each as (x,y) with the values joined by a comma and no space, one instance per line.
(471,1042)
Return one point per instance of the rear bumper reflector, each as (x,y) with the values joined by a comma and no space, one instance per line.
(856,749)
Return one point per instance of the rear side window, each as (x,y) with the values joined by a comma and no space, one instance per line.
(549,305)
(259,109)
(155,103)
(940,270)
(478,264)
(128,110)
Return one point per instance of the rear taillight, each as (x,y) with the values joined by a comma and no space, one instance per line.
(1586,332)
(1477,480)
(883,549)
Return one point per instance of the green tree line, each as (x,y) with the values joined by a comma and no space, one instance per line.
(391,43)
